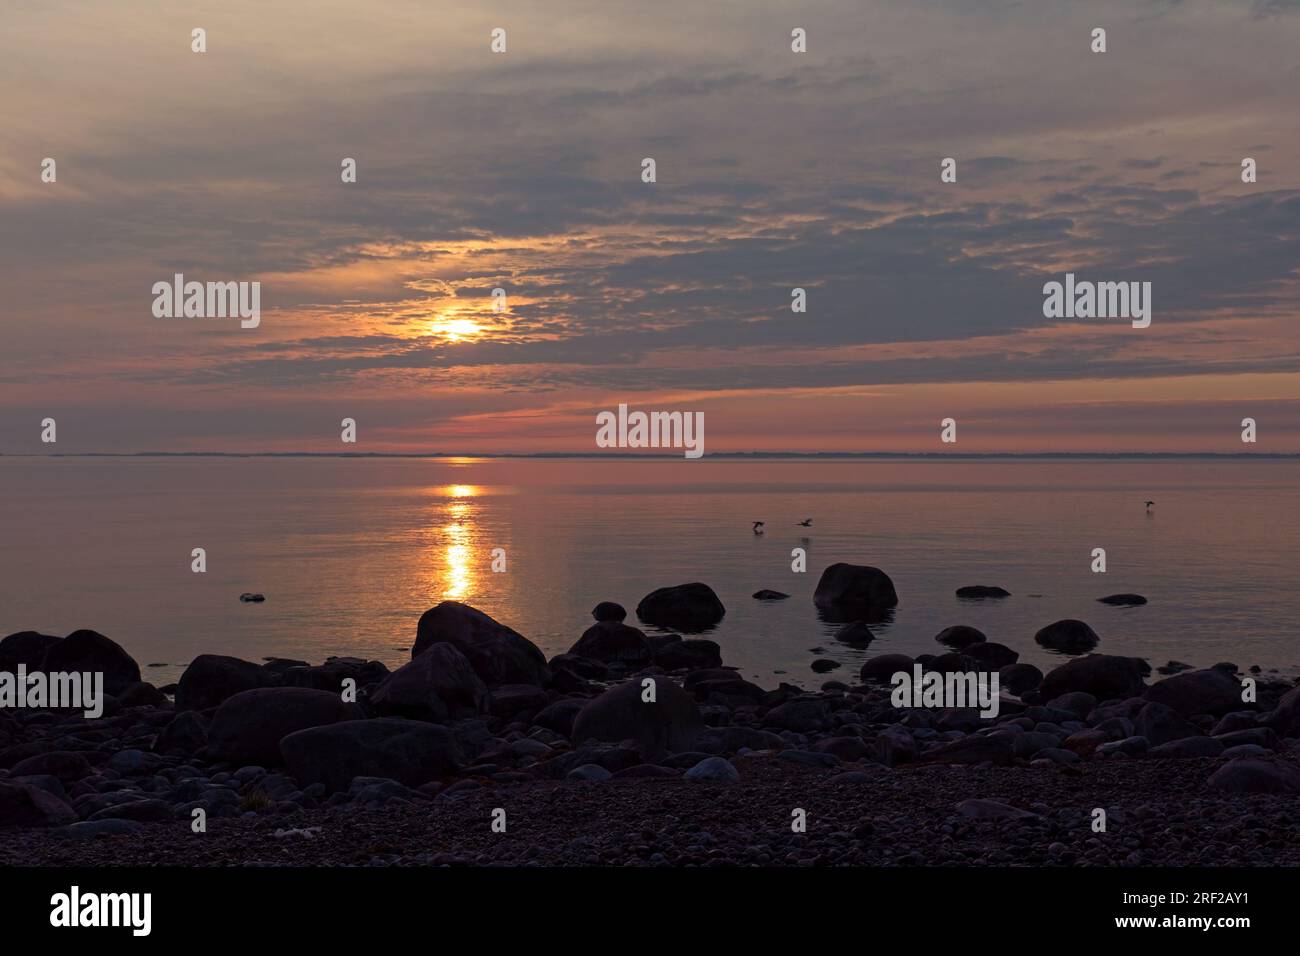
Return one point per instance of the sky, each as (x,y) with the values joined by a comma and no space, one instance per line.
(775,170)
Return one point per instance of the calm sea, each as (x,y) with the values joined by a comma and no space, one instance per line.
(349,552)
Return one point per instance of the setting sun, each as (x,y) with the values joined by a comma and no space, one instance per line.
(458,330)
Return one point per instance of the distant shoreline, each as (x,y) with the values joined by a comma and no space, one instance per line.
(725,456)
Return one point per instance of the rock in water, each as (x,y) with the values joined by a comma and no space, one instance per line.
(408,751)
(250,598)
(611,641)
(668,725)
(248,727)
(961,636)
(212,678)
(992,654)
(1123,600)
(981,591)
(90,651)
(439,684)
(1105,676)
(882,668)
(1019,678)
(855,633)
(1071,636)
(498,654)
(766,594)
(608,611)
(686,607)
(849,588)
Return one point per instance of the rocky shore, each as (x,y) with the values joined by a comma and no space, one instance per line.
(637,749)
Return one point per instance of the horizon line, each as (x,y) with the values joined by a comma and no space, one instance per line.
(632,456)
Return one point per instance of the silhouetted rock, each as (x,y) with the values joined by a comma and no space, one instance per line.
(991,654)
(692,653)
(1019,678)
(409,751)
(855,633)
(611,641)
(1071,636)
(498,654)
(27,806)
(768,595)
(26,648)
(331,675)
(142,694)
(1161,724)
(1105,676)
(187,733)
(510,700)
(247,728)
(84,651)
(439,684)
(823,664)
(1187,748)
(1256,776)
(686,607)
(669,724)
(981,591)
(845,588)
(67,766)
(1123,600)
(608,611)
(883,667)
(1209,691)
(967,750)
(249,597)
(960,636)
(212,678)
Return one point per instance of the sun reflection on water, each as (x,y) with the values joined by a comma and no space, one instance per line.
(460,573)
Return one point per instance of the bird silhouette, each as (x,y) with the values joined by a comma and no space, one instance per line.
(1149,504)
(758,527)
(806,523)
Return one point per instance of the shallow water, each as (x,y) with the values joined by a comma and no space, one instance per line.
(349,552)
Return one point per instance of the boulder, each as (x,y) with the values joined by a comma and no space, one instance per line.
(669,724)
(1105,676)
(560,715)
(438,685)
(331,675)
(509,700)
(1187,748)
(1256,776)
(1210,691)
(66,765)
(84,651)
(846,587)
(690,654)
(686,607)
(991,654)
(1069,635)
(982,591)
(247,727)
(961,636)
(713,770)
(608,611)
(212,678)
(142,694)
(27,648)
(1285,717)
(1019,678)
(409,751)
(187,733)
(27,806)
(611,641)
(883,667)
(973,749)
(1161,724)
(766,594)
(498,654)
(802,715)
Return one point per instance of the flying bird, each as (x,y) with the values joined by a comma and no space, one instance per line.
(1149,504)
(758,527)
(806,523)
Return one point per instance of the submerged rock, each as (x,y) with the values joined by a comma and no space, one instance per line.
(961,636)
(980,591)
(846,587)
(1069,635)
(686,607)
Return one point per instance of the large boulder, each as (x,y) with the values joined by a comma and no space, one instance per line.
(27,648)
(1160,724)
(186,733)
(438,685)
(498,654)
(962,636)
(690,654)
(668,725)
(1210,691)
(84,651)
(609,611)
(27,806)
(247,728)
(331,675)
(1019,678)
(611,641)
(1105,676)
(686,607)
(1285,717)
(1069,635)
(408,751)
(848,588)
(212,678)
(883,667)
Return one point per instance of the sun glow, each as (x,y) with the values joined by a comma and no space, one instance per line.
(458,330)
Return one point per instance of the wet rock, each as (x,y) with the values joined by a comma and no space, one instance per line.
(1105,676)
(685,607)
(882,668)
(1208,691)
(510,700)
(982,591)
(766,594)
(1019,678)
(611,641)
(142,694)
(960,636)
(855,634)
(608,611)
(1068,635)
(186,733)
(991,654)
(823,664)
(27,648)
(1123,600)
(331,675)
(408,751)
(844,588)
(690,654)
